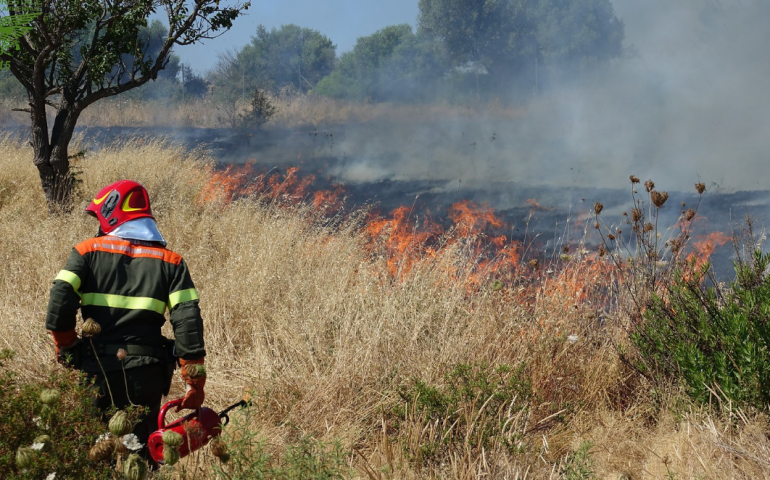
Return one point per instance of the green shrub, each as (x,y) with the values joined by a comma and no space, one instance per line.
(251,458)
(259,112)
(579,465)
(71,422)
(474,408)
(715,339)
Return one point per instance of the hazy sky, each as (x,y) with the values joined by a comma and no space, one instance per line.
(341,20)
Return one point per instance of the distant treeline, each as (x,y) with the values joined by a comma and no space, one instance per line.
(462,49)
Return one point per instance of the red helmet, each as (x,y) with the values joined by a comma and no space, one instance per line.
(118,203)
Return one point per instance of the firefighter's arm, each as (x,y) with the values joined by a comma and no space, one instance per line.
(64,302)
(187,323)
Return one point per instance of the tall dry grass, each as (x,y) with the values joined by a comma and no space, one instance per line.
(292,111)
(302,315)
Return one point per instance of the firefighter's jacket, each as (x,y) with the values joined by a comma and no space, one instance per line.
(126,286)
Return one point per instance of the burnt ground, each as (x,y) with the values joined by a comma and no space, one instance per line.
(547,214)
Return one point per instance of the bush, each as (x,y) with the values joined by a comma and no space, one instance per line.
(579,465)
(716,339)
(249,457)
(71,422)
(259,112)
(474,409)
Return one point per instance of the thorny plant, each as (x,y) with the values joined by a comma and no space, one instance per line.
(647,258)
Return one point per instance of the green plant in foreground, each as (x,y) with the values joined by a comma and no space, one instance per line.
(715,339)
(55,437)
(248,457)
(579,465)
(475,406)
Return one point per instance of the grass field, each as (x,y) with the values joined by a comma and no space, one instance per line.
(436,372)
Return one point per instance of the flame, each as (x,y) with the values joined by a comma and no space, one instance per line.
(405,238)
(236,181)
(703,249)
(534,205)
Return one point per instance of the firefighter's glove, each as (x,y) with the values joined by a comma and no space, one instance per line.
(194,375)
(66,344)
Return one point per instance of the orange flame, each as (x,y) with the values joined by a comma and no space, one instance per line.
(704,248)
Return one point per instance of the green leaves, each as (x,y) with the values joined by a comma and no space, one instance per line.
(713,339)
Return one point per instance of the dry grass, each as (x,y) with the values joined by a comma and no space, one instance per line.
(293,111)
(299,313)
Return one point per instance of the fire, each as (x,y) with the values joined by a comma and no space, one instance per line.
(535,205)
(405,238)
(235,181)
(704,248)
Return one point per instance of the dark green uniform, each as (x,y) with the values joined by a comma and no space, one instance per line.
(126,286)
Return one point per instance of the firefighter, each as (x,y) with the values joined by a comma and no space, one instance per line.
(124,279)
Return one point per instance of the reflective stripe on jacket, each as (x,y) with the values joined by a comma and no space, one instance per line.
(126,286)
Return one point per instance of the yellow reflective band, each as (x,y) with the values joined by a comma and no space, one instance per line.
(119,301)
(182,296)
(69,277)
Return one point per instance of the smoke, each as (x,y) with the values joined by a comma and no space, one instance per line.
(689,103)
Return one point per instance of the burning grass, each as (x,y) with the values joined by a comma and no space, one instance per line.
(426,350)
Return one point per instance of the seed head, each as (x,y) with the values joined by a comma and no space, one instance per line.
(170,456)
(172,439)
(658,198)
(690,214)
(700,187)
(102,450)
(122,354)
(49,396)
(611,236)
(565,249)
(534,263)
(135,468)
(636,214)
(218,447)
(602,250)
(120,424)
(598,208)
(649,185)
(91,328)
(634,179)
(648,227)
(25,457)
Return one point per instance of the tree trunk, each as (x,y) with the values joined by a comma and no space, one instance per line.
(51,156)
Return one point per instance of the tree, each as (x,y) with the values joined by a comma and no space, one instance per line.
(516,40)
(392,64)
(291,56)
(78,52)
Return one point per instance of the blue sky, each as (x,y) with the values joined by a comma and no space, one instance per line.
(341,20)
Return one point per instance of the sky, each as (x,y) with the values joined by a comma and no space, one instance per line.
(343,21)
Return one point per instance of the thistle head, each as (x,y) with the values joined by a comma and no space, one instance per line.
(91,328)
(658,198)
(172,439)
(120,424)
(49,396)
(103,450)
(135,468)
